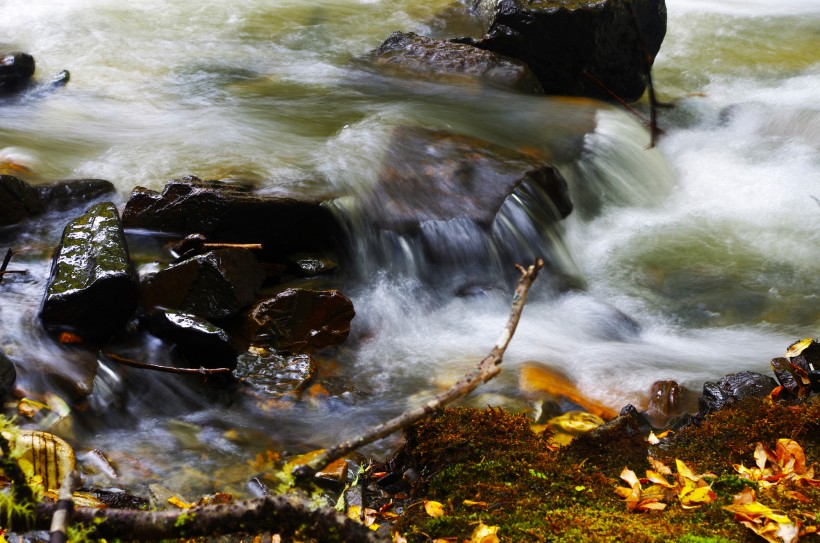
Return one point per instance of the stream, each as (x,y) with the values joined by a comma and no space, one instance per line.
(688,261)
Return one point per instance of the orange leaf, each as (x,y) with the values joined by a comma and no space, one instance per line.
(788,450)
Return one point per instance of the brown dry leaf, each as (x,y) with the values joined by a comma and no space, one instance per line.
(398,538)
(790,454)
(434,509)
(370,516)
(659,466)
(485,534)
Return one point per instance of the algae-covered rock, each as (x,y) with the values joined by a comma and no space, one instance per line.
(214,285)
(93,285)
(299,320)
(583,48)
(18,200)
(201,343)
(411,54)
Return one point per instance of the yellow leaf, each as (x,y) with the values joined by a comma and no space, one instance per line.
(684,471)
(485,534)
(634,497)
(355,512)
(657,478)
(434,509)
(629,476)
(698,497)
(182,504)
(471,503)
(757,509)
(797,348)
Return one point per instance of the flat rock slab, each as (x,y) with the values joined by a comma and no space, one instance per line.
(19,200)
(231,213)
(579,48)
(214,285)
(410,54)
(93,286)
(438,176)
(299,320)
(201,343)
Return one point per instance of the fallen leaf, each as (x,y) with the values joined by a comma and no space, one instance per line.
(629,476)
(471,503)
(369,516)
(790,453)
(434,509)
(182,504)
(797,348)
(485,534)
(659,466)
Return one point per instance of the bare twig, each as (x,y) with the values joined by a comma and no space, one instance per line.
(63,508)
(5,264)
(287,515)
(165,369)
(615,96)
(486,370)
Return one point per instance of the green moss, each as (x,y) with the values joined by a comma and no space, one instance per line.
(534,493)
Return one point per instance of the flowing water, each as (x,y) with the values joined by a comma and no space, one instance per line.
(692,260)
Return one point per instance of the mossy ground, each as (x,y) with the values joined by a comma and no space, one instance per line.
(534,493)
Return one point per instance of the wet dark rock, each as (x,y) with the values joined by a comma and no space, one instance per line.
(734,388)
(275,375)
(310,264)
(438,176)
(18,200)
(8,375)
(809,361)
(411,54)
(201,343)
(16,70)
(225,212)
(576,47)
(93,285)
(63,195)
(214,285)
(300,320)
(787,376)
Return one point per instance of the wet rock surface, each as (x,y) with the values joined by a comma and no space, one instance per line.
(579,47)
(16,70)
(201,343)
(93,285)
(63,195)
(299,320)
(438,176)
(734,388)
(214,285)
(18,200)
(8,375)
(406,53)
(226,212)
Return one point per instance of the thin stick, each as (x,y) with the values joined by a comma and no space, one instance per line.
(5,264)
(4,272)
(165,369)
(232,246)
(486,370)
(63,508)
(615,96)
(649,60)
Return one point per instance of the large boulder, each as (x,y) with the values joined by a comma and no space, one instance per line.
(18,200)
(433,175)
(734,388)
(299,320)
(579,47)
(411,54)
(214,285)
(16,70)
(232,213)
(201,343)
(93,286)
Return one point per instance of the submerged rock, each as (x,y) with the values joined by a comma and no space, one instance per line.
(299,320)
(18,200)
(93,285)
(16,70)
(214,285)
(734,388)
(276,375)
(411,54)
(201,343)
(224,212)
(438,176)
(579,47)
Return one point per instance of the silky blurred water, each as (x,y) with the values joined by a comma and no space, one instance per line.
(687,261)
